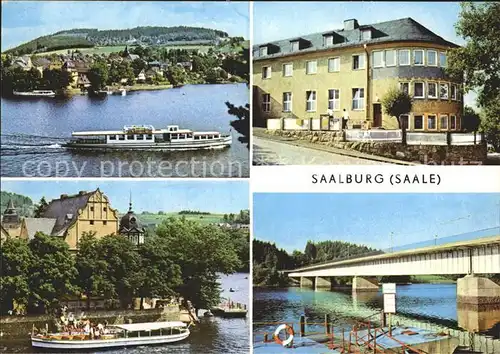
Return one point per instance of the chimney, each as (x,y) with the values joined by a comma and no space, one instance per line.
(350,24)
(63,196)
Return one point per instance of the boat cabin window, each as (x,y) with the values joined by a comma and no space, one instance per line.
(130,137)
(189,135)
(112,137)
(174,136)
(182,136)
(140,137)
(196,137)
(121,137)
(149,137)
(203,137)
(173,129)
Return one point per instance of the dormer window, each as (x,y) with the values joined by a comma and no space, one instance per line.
(262,51)
(328,40)
(295,46)
(366,34)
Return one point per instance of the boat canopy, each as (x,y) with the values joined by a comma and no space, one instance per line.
(149,326)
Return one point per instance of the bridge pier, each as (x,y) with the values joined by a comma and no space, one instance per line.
(323,283)
(364,284)
(474,290)
(307,282)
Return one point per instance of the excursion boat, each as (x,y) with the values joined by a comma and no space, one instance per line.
(146,137)
(125,335)
(35,93)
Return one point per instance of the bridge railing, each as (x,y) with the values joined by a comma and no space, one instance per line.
(437,241)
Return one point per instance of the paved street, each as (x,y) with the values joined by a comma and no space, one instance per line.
(267,152)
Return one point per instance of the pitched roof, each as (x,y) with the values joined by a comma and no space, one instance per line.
(34,225)
(40,61)
(65,211)
(405,29)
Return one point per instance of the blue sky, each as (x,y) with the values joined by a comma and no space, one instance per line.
(213,196)
(290,220)
(23,21)
(275,20)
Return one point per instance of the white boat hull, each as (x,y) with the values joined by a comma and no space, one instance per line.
(152,146)
(106,343)
(31,94)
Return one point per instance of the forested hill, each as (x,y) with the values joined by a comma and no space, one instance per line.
(269,259)
(89,37)
(24,205)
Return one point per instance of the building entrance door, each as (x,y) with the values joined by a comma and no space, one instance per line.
(377,115)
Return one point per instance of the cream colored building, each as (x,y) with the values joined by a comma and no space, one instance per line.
(68,217)
(351,69)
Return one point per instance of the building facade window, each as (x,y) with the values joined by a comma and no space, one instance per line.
(431,122)
(443,91)
(443,122)
(104,222)
(404,57)
(418,90)
(405,87)
(287,101)
(418,57)
(288,69)
(390,57)
(453,92)
(91,208)
(334,99)
(358,98)
(266,72)
(311,67)
(358,61)
(91,222)
(266,102)
(328,40)
(432,90)
(334,64)
(443,61)
(431,58)
(453,122)
(418,122)
(262,51)
(311,101)
(405,121)
(295,46)
(378,59)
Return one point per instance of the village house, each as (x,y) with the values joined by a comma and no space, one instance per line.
(41,64)
(67,217)
(23,62)
(142,76)
(76,69)
(70,216)
(187,65)
(351,69)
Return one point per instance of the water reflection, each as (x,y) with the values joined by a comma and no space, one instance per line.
(479,318)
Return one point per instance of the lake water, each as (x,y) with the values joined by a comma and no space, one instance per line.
(34,129)
(428,306)
(211,336)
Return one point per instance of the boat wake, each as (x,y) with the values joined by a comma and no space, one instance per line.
(15,144)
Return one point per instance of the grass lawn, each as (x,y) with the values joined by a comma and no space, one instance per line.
(147,219)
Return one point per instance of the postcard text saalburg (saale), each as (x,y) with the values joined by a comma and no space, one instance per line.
(379,178)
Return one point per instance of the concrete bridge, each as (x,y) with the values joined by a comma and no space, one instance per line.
(469,258)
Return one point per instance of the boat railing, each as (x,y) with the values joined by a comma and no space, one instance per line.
(88,140)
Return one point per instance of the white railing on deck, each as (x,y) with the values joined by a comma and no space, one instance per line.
(465,138)
(426,138)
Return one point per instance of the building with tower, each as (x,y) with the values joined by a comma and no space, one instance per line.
(131,228)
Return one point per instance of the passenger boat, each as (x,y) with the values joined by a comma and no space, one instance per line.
(35,93)
(146,137)
(125,335)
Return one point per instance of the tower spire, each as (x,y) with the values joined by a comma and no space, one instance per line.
(130,202)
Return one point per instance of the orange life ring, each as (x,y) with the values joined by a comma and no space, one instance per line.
(288,329)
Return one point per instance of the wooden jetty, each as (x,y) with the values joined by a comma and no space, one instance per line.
(362,337)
